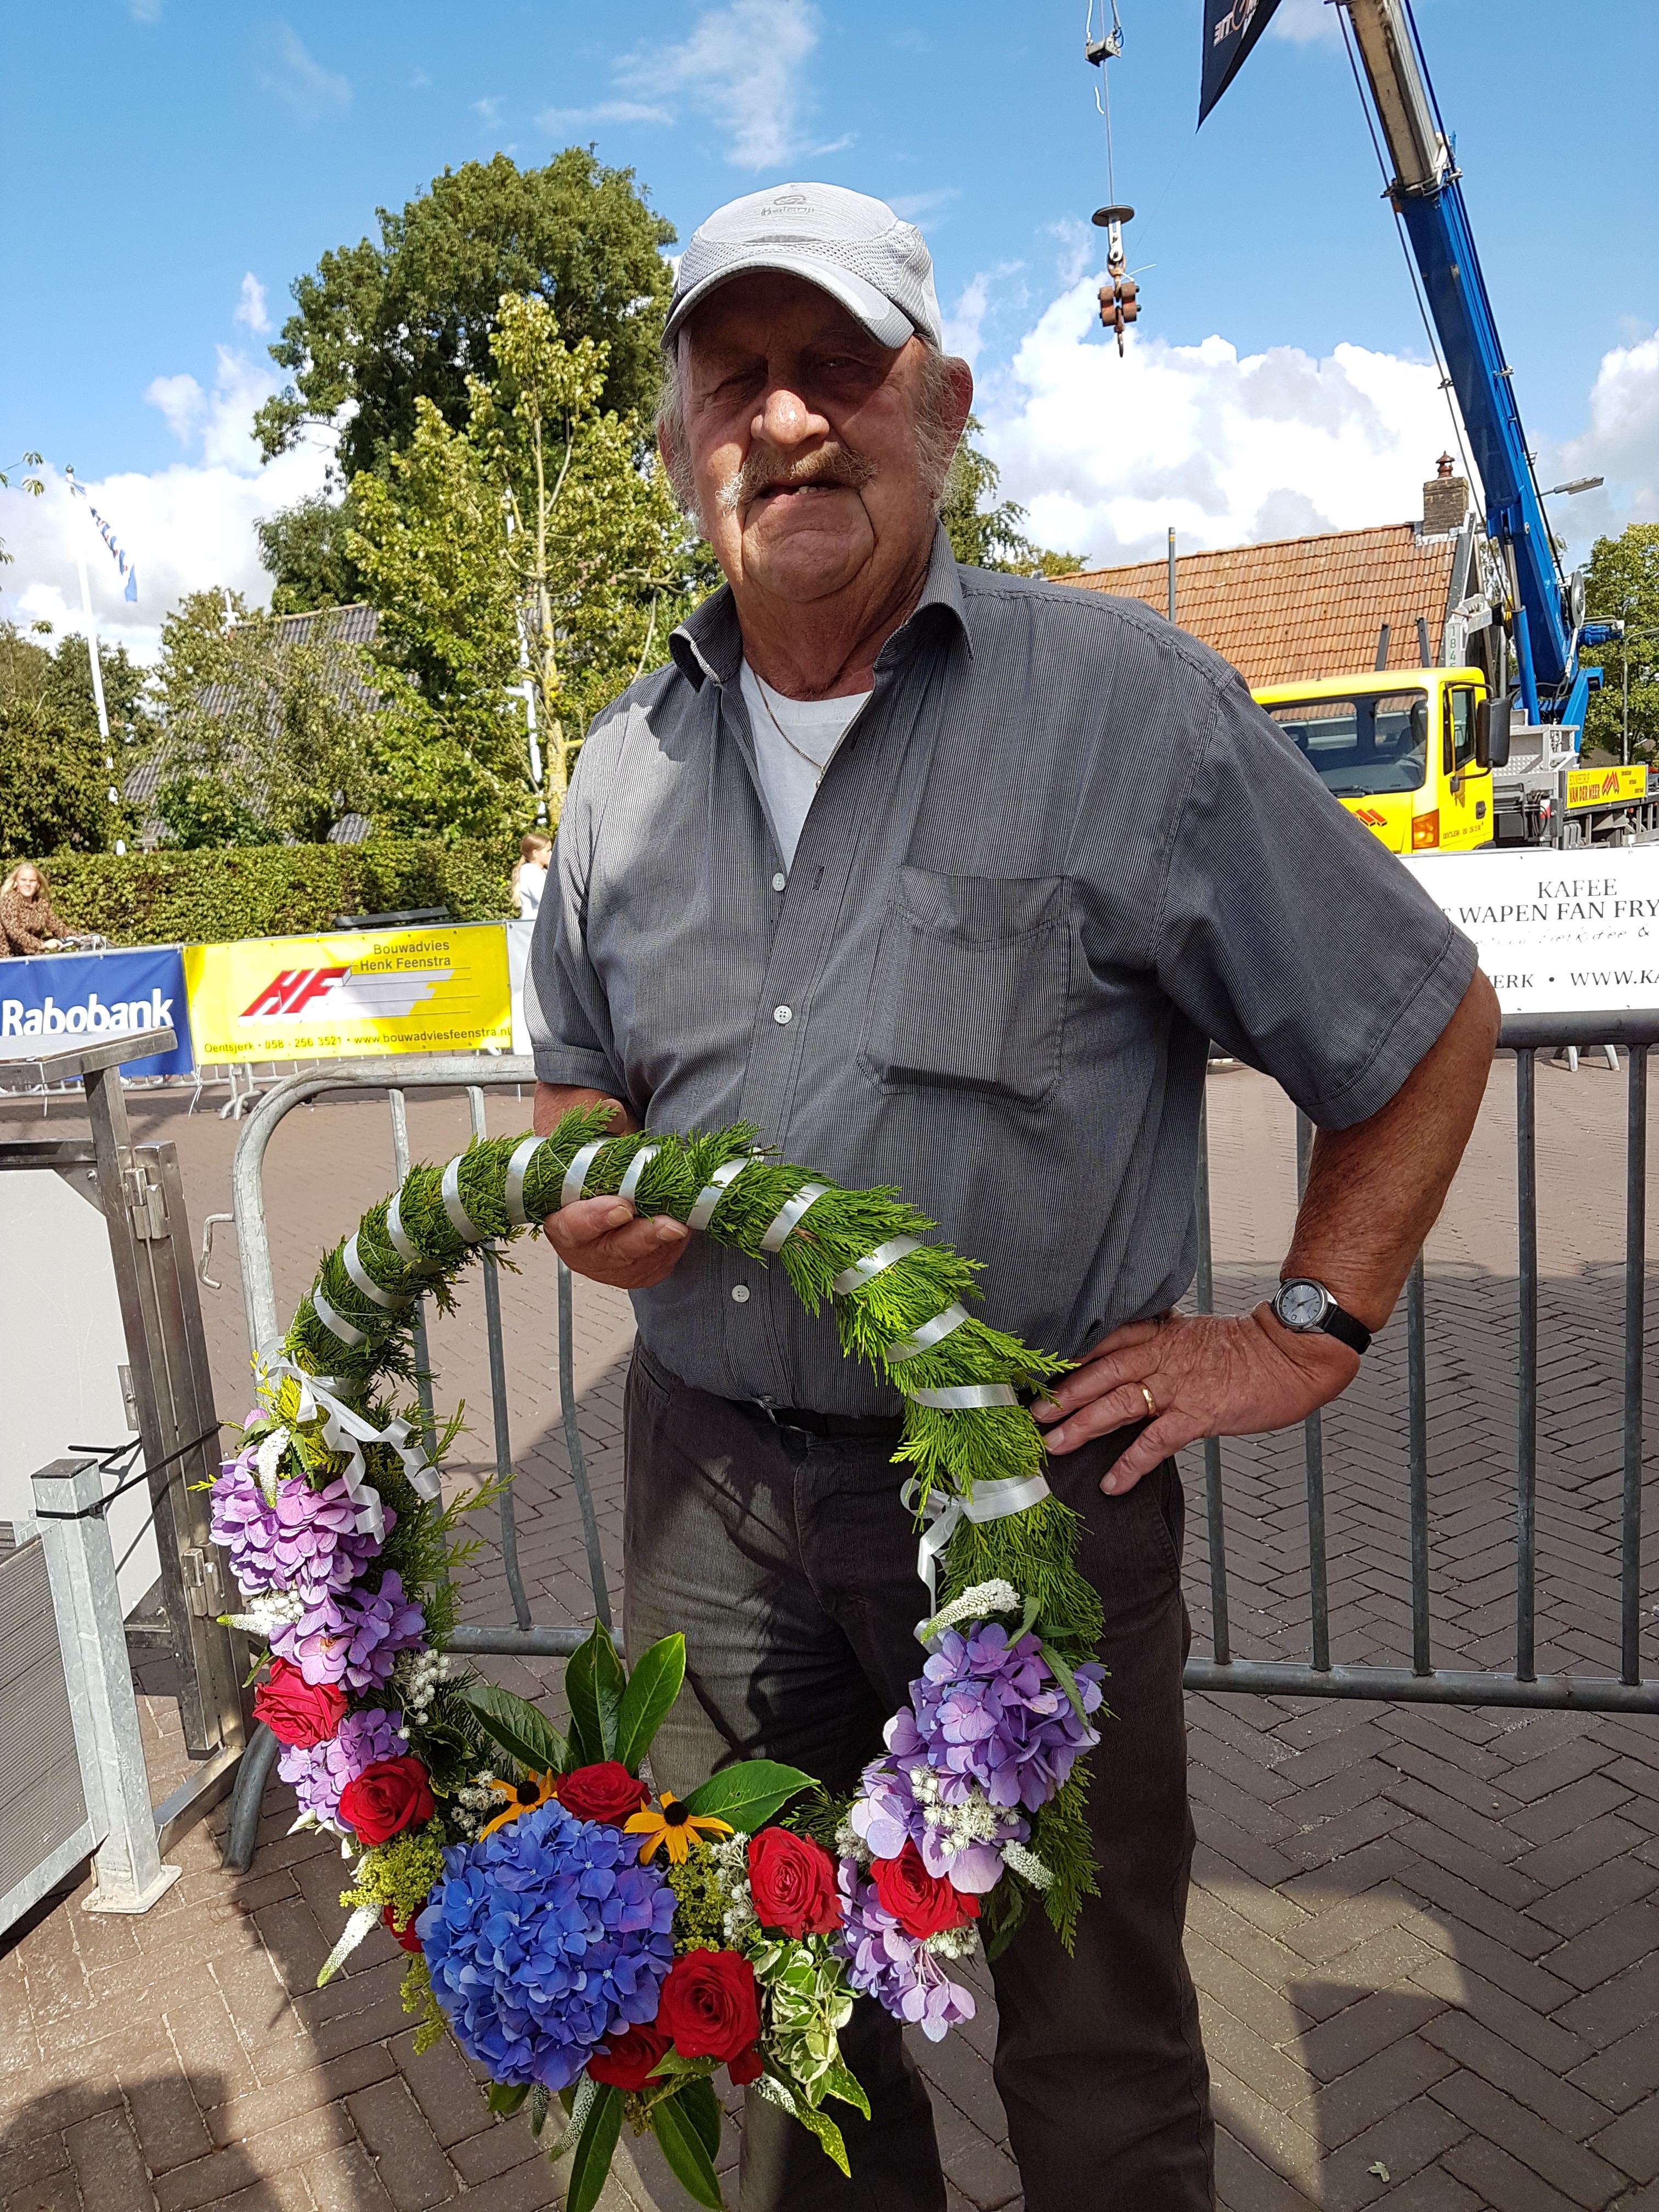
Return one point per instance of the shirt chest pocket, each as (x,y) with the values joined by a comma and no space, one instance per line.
(970,984)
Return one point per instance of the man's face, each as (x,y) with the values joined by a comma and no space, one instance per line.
(802,433)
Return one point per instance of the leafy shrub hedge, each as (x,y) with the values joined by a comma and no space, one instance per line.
(273,890)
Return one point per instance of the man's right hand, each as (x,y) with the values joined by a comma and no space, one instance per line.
(605,1240)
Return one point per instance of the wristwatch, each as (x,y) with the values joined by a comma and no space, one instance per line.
(1306,1307)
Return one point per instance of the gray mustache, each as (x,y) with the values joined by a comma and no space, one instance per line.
(841,466)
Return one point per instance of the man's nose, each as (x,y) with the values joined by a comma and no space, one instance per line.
(785,419)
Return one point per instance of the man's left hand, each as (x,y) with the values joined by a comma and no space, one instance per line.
(1210,1375)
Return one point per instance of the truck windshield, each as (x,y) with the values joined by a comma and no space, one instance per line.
(1377,741)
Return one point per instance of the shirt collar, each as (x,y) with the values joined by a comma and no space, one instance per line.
(708,644)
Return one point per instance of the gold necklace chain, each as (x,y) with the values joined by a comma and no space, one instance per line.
(800,751)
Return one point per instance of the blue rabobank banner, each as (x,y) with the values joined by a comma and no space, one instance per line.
(65,993)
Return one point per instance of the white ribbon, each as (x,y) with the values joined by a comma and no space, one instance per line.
(333,1323)
(716,1189)
(991,1501)
(362,1281)
(450,1191)
(963,1397)
(873,1264)
(636,1167)
(398,1237)
(345,1434)
(929,1333)
(789,1213)
(512,1190)
(576,1173)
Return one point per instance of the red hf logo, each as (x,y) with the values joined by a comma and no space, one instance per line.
(1370,817)
(294,990)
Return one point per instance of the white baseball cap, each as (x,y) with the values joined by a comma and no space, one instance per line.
(852,247)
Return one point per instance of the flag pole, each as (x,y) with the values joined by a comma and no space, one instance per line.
(92,639)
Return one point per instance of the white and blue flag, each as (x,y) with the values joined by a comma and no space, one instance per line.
(123,561)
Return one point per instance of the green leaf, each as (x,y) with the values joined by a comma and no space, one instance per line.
(649,1698)
(687,2154)
(748,1795)
(594,1684)
(827,2132)
(506,2099)
(1067,1681)
(520,1729)
(539,2101)
(702,2107)
(595,2151)
(839,2082)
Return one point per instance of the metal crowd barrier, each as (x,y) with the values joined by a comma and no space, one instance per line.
(1422,1682)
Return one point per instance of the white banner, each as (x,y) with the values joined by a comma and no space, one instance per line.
(1570,931)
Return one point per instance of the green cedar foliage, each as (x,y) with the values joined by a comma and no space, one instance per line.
(384,324)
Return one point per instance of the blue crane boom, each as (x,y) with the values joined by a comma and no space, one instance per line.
(1546,608)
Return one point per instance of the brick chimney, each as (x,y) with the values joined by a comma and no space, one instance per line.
(1445,500)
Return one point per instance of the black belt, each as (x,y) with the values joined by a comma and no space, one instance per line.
(887,1426)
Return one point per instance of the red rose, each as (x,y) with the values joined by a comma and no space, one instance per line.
(405,1937)
(922,1904)
(606,1792)
(629,2059)
(386,1798)
(793,1882)
(709,2008)
(748,2066)
(297,1711)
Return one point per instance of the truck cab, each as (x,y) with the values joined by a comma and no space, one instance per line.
(1404,749)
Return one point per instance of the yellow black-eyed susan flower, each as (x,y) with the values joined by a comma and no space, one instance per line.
(522,1797)
(675,1827)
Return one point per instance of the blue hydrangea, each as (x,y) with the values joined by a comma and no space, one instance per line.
(545,1939)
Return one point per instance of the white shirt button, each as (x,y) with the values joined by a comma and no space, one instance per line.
(781,1015)
(778,880)
(740,1294)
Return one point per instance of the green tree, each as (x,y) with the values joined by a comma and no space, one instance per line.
(384,326)
(54,788)
(537,550)
(268,740)
(985,531)
(304,548)
(1622,586)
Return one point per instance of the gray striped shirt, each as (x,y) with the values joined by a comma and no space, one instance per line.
(1059,850)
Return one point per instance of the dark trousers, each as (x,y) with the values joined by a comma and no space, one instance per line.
(789,1562)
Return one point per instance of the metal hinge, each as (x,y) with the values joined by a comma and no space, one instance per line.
(129,1397)
(203,1591)
(147,1205)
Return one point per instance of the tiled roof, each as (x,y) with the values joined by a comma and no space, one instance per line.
(1302,607)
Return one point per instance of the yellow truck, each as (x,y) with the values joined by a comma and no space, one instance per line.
(1407,751)
(1431,764)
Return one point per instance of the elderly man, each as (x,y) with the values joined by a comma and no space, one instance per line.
(945,880)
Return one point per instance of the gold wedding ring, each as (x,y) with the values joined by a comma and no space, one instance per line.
(1152,1403)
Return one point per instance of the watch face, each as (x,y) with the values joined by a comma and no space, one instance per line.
(1301,1306)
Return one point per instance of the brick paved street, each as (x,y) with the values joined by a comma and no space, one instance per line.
(1426,1941)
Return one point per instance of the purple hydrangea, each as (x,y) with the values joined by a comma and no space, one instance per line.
(321,1774)
(959,1835)
(542,1941)
(993,1713)
(353,1639)
(308,1541)
(904,1977)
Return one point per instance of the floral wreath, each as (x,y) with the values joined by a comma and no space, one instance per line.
(587,1936)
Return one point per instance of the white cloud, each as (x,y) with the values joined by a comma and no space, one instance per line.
(181,401)
(488,111)
(250,307)
(916,207)
(743,65)
(1108,454)
(1620,443)
(964,321)
(1306,24)
(145,11)
(554,119)
(300,82)
(222,418)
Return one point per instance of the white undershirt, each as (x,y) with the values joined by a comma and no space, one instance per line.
(789,783)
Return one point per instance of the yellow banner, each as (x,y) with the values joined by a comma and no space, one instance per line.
(1606,786)
(363,991)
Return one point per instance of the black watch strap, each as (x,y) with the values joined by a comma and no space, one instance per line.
(1340,1324)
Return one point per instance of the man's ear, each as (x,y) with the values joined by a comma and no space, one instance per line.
(962,391)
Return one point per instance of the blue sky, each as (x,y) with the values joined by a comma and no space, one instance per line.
(169,167)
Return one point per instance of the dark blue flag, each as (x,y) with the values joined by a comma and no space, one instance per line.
(1231,27)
